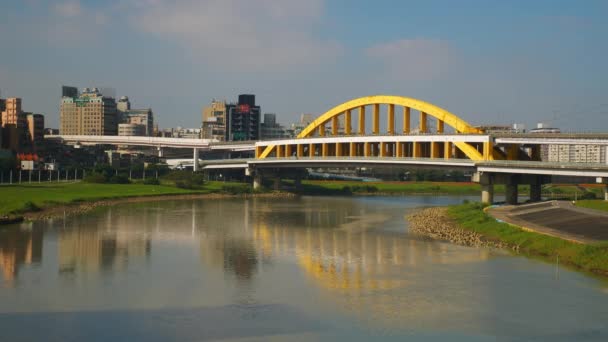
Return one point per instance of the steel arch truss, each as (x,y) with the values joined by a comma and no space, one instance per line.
(422,144)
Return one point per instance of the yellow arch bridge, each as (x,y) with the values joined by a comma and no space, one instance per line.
(333,135)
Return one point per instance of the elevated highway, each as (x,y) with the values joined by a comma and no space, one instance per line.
(437,139)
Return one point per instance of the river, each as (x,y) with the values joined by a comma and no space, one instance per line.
(296,269)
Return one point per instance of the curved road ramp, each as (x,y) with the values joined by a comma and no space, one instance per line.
(556,218)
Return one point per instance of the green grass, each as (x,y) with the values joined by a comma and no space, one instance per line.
(394,187)
(16,199)
(592,258)
(593,204)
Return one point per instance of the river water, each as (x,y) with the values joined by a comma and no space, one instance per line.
(301,269)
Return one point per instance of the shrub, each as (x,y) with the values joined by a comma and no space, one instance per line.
(151,181)
(184,185)
(588,195)
(30,206)
(95,178)
(346,190)
(236,189)
(119,179)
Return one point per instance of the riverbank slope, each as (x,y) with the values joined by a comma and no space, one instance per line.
(468,224)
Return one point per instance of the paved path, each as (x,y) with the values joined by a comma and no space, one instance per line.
(557,218)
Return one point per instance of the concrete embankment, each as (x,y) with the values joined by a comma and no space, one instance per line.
(556,218)
(435,223)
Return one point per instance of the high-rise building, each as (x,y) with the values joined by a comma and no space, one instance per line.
(2,108)
(131,130)
(214,121)
(11,115)
(141,117)
(271,130)
(243,119)
(123,104)
(90,113)
(14,125)
(35,126)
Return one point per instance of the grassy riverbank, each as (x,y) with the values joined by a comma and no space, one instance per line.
(593,204)
(591,258)
(331,187)
(18,199)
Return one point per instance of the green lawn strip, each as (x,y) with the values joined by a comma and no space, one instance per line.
(592,258)
(17,199)
(593,204)
(394,187)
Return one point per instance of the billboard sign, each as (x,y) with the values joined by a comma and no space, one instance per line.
(244,108)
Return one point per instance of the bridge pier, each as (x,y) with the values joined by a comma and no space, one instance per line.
(486,181)
(160,152)
(604,181)
(297,182)
(195,160)
(276,184)
(257,180)
(511,193)
(536,189)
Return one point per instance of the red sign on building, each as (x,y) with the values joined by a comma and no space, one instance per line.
(244,108)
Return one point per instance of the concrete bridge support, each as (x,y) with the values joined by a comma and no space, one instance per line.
(257,181)
(511,193)
(195,160)
(604,181)
(297,182)
(486,181)
(536,189)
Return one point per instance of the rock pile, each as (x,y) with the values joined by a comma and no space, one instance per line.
(436,224)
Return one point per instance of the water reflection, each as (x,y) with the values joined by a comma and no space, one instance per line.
(346,262)
(93,245)
(18,248)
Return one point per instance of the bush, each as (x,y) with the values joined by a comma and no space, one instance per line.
(95,178)
(30,206)
(119,180)
(236,189)
(184,185)
(588,195)
(346,190)
(151,181)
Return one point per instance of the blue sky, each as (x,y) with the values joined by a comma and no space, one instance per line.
(491,62)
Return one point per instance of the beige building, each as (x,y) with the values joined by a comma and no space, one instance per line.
(214,121)
(11,115)
(131,130)
(90,113)
(35,126)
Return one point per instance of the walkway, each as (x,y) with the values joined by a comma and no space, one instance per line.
(557,218)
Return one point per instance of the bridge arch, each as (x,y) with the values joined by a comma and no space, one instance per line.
(345,110)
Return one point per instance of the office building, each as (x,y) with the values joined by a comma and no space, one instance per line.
(15,133)
(305,120)
(271,130)
(123,104)
(214,121)
(131,130)
(243,119)
(89,113)
(35,126)
(142,117)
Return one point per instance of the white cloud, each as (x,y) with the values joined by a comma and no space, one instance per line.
(68,8)
(258,35)
(414,59)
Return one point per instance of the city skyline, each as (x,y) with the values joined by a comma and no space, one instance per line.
(489,62)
